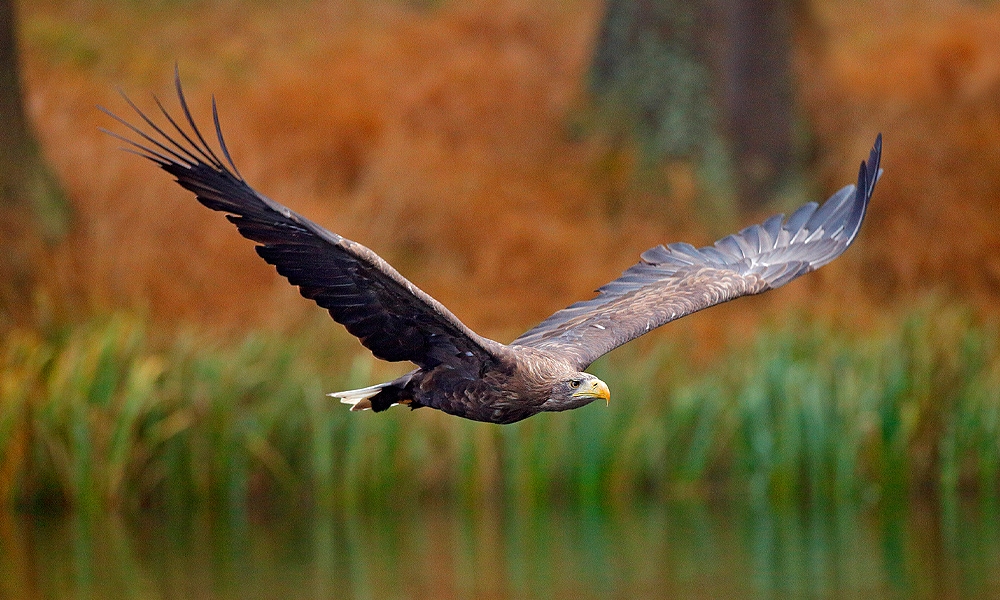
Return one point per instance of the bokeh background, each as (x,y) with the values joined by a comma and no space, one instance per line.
(454,139)
(165,369)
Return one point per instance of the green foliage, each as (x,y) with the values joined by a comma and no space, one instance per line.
(107,415)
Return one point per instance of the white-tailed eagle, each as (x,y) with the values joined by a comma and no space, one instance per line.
(459,371)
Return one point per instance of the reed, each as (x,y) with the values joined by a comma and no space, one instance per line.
(109,414)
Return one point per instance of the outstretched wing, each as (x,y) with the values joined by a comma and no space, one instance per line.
(679,279)
(391,316)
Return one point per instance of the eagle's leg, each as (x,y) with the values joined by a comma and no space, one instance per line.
(389,396)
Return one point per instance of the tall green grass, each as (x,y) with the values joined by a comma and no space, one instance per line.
(107,414)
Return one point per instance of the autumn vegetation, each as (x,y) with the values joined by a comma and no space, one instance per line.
(456,140)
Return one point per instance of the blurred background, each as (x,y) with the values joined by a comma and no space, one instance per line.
(163,425)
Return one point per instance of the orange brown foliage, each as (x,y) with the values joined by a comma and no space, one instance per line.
(927,74)
(441,138)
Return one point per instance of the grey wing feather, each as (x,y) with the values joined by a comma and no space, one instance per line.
(675,280)
(391,316)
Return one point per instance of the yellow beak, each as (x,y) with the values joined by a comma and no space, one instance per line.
(594,389)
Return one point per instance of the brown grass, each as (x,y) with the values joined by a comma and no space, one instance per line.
(928,75)
(441,138)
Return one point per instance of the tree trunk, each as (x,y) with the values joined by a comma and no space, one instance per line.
(759,99)
(707,81)
(34,210)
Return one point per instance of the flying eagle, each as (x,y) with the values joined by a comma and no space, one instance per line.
(463,373)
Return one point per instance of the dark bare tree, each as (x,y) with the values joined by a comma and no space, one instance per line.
(35,212)
(704,80)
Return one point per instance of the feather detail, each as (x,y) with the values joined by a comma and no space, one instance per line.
(359,399)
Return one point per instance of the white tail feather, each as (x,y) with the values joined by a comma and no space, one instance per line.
(359,399)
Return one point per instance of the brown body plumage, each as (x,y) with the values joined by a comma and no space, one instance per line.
(516,383)
(459,371)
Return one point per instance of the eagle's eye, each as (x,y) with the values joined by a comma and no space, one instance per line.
(574,383)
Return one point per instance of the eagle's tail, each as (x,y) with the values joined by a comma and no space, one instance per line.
(360,399)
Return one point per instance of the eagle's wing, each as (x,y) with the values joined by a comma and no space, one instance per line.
(679,279)
(391,316)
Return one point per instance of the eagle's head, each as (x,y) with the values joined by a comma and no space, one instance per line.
(579,389)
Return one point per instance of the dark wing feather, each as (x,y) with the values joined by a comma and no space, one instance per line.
(679,279)
(391,316)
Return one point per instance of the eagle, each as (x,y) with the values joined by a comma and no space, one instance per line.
(457,370)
